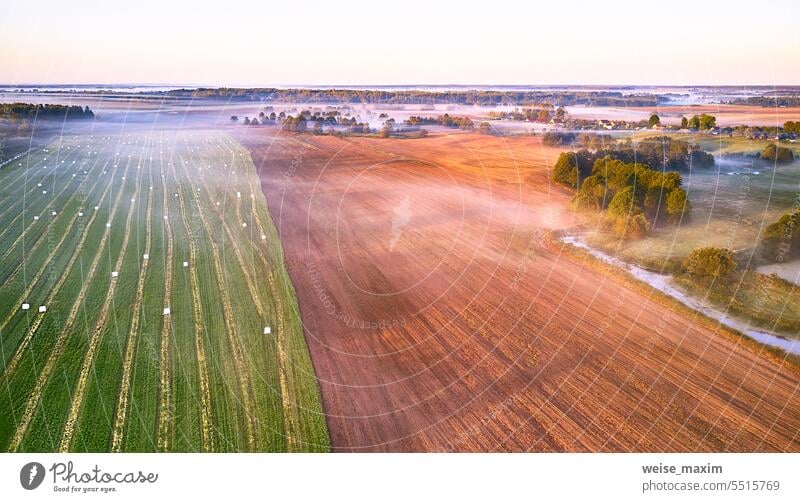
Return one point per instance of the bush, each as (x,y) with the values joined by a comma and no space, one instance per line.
(781,240)
(778,154)
(634,227)
(710,262)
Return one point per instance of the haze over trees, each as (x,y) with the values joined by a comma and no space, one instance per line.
(662,152)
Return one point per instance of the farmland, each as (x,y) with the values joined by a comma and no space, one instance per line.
(440,319)
(144,304)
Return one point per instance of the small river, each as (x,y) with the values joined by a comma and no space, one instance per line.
(663,283)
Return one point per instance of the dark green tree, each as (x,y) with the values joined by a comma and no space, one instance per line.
(678,204)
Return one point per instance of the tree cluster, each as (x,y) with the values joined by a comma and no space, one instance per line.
(662,152)
(633,196)
(701,122)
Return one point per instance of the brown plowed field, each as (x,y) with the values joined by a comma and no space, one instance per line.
(438,321)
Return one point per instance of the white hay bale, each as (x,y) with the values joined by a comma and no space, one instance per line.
(166,311)
(42,309)
(26,306)
(267,330)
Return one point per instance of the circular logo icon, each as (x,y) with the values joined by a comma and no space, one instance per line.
(31,475)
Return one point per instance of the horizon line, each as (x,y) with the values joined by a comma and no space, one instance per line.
(334,86)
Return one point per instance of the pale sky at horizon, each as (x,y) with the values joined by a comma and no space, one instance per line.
(249,43)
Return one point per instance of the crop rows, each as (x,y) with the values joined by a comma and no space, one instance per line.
(167,322)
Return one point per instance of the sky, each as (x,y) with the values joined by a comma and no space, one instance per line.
(263,43)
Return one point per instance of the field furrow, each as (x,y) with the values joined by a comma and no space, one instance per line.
(199,333)
(165,411)
(127,367)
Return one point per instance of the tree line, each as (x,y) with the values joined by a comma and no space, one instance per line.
(701,122)
(411,96)
(446,120)
(19,111)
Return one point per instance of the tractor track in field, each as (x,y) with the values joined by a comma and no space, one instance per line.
(289,418)
(88,360)
(199,327)
(165,415)
(33,400)
(233,338)
(12,364)
(120,415)
(280,338)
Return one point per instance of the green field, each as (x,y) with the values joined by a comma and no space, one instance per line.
(129,226)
